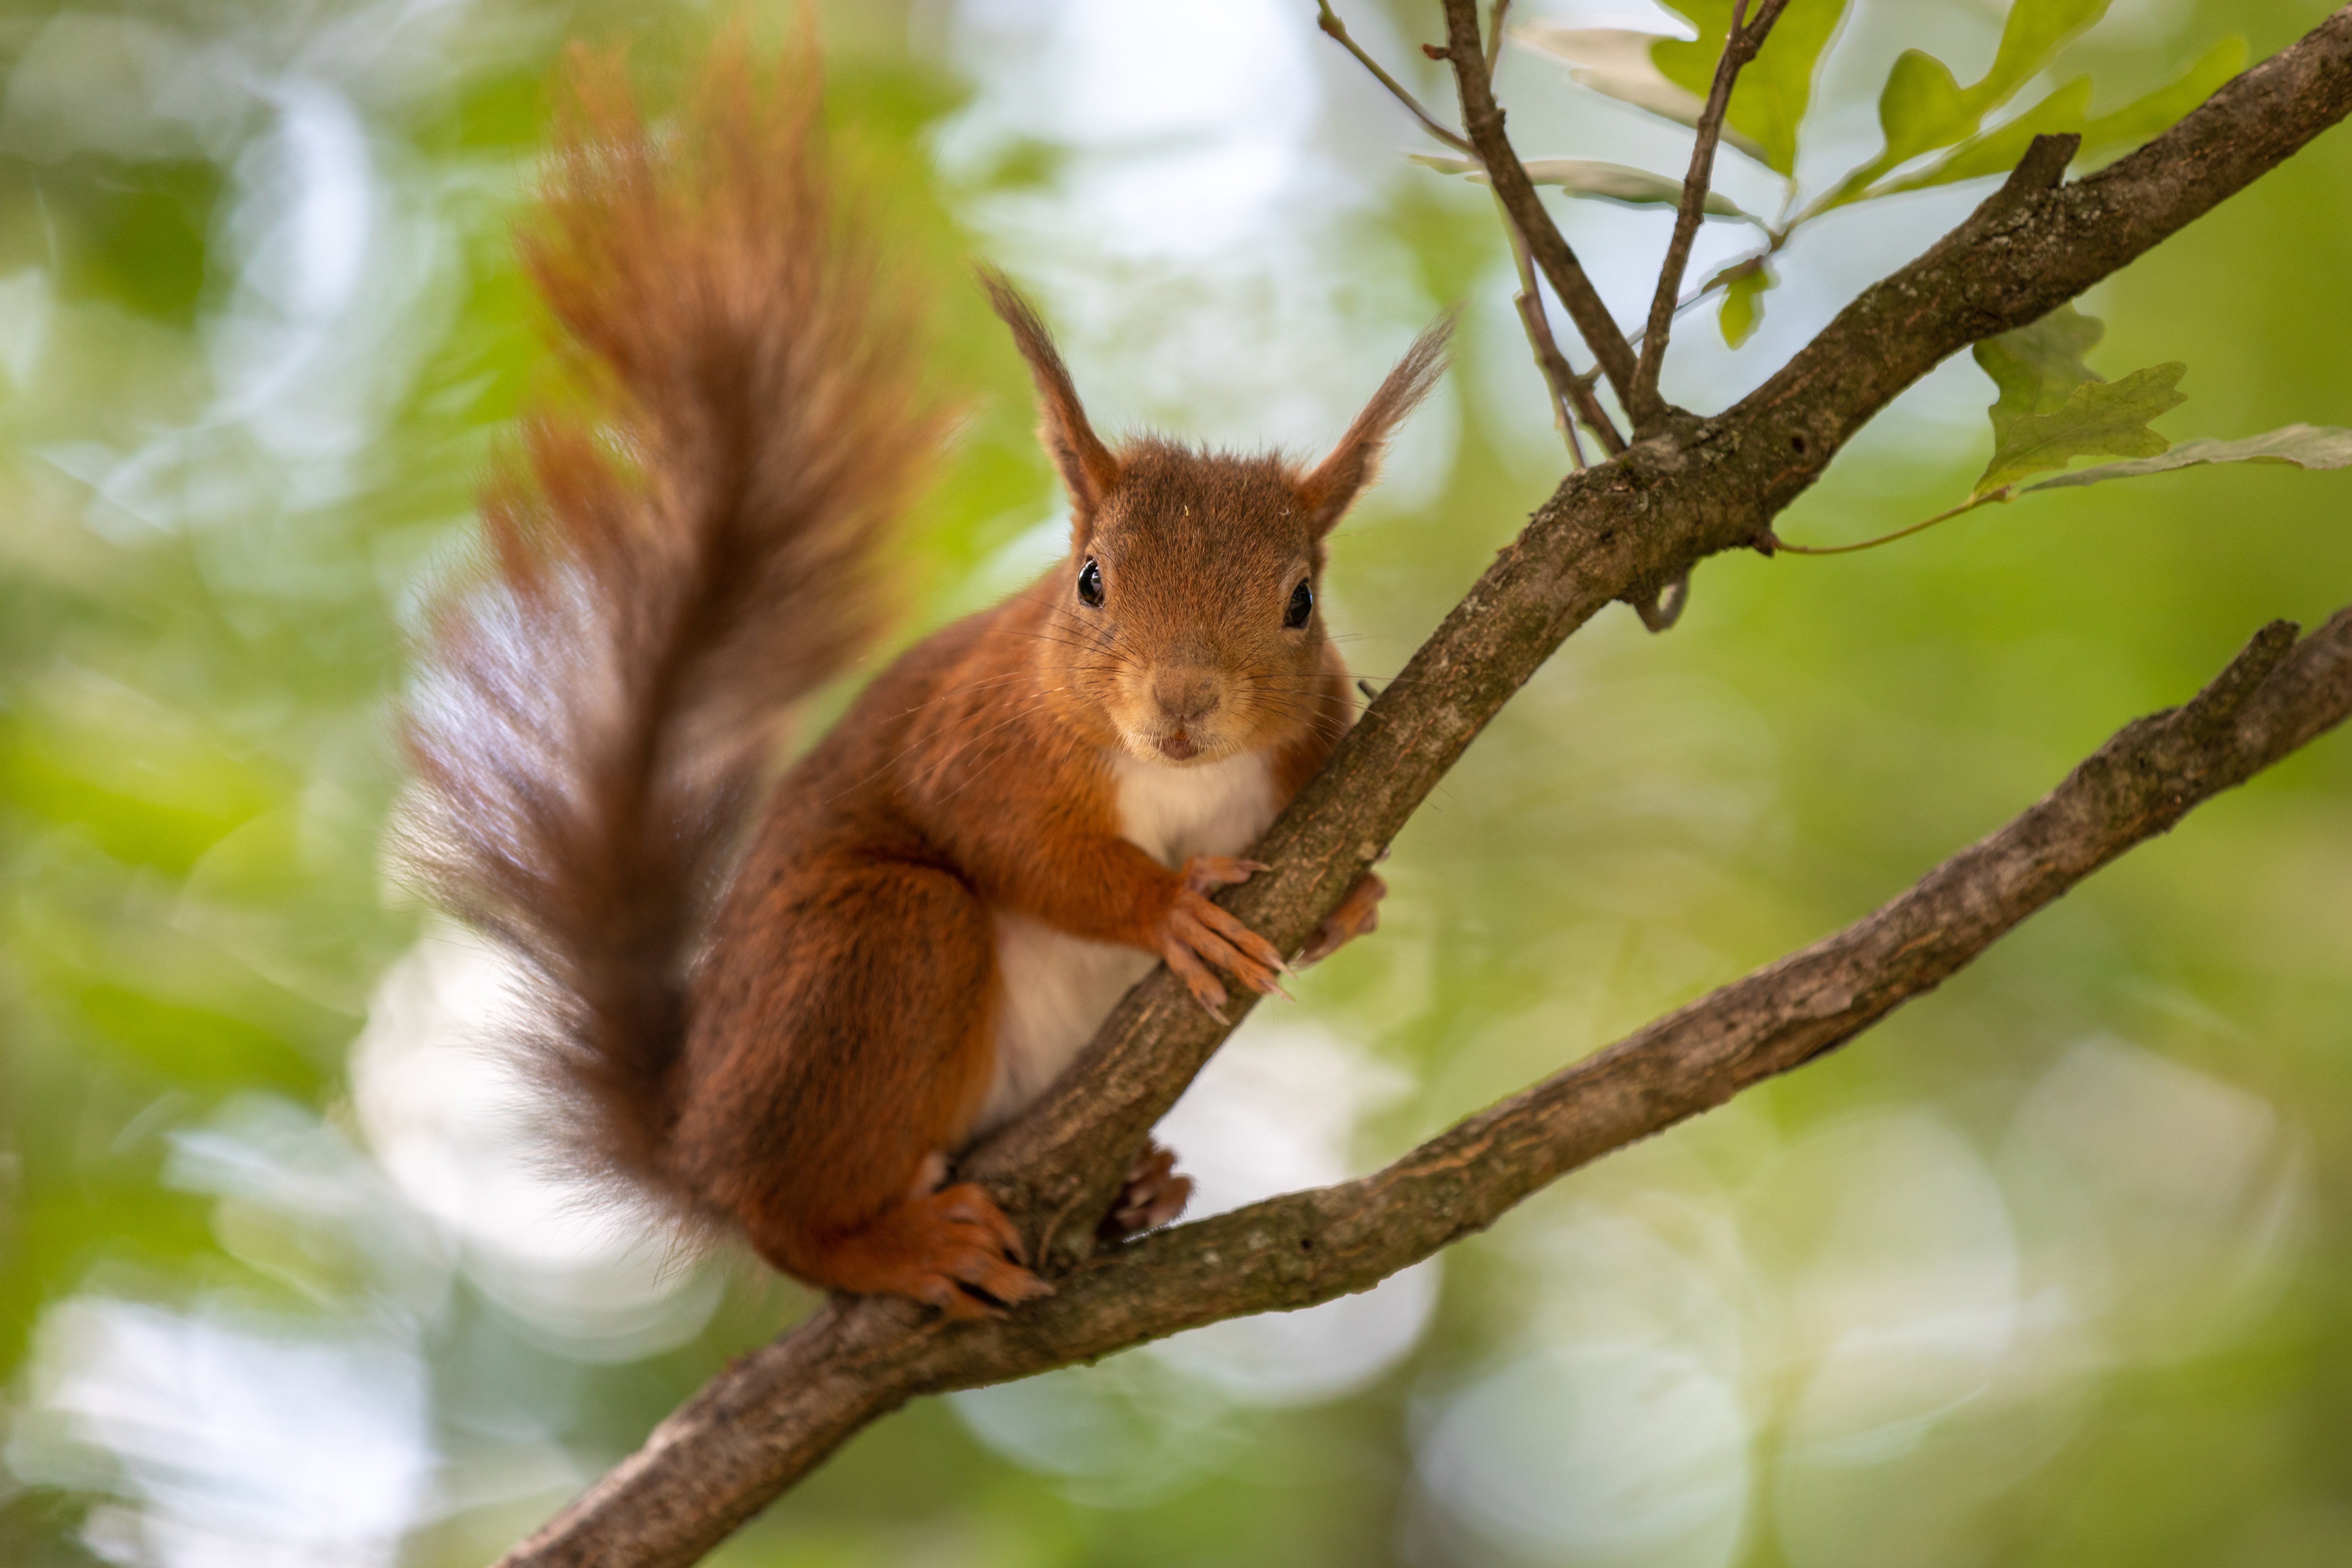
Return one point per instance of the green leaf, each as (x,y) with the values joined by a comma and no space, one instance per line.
(1770,100)
(2299,446)
(1923,107)
(2038,367)
(1743,298)
(2098,419)
(1997,151)
(2034,32)
(1920,108)
(2158,111)
(1615,62)
(1584,177)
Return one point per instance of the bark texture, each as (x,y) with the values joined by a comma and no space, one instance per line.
(1622,530)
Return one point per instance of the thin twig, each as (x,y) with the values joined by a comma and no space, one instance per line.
(1556,370)
(1328,20)
(1645,407)
(1494,34)
(1781,545)
(1565,382)
(1483,120)
(1573,397)
(1690,301)
(1574,391)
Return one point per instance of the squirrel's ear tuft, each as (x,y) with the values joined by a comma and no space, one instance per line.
(1088,470)
(1334,483)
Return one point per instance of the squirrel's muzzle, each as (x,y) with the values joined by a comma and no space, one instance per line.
(1186,696)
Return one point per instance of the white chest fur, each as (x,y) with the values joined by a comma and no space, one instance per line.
(1057,989)
(1173,813)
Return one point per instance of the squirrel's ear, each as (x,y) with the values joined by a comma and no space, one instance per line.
(1335,482)
(1088,468)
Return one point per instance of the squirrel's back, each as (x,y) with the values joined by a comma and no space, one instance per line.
(682,548)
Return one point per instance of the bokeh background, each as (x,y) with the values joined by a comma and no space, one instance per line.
(2054,1268)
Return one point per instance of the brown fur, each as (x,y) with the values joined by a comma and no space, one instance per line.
(681,552)
(834,1044)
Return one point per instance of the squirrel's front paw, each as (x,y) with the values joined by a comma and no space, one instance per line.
(1154,1194)
(1195,930)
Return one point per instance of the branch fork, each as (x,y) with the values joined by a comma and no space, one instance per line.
(1536,240)
(1740,43)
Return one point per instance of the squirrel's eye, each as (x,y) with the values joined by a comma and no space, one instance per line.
(1302,605)
(1090,584)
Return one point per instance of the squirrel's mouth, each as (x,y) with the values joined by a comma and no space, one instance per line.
(1176,748)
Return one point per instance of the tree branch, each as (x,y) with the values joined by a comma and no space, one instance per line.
(1483,120)
(780,1411)
(1622,530)
(1303,1247)
(1740,42)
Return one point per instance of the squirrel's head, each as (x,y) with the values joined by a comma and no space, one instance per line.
(1186,619)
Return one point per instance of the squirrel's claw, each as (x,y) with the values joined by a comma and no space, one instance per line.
(1197,979)
(1206,873)
(968,1203)
(1359,914)
(1195,931)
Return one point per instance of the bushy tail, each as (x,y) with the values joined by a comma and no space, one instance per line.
(684,545)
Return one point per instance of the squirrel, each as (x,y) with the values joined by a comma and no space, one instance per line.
(785,1006)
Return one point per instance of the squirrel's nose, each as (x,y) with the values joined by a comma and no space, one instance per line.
(1186,695)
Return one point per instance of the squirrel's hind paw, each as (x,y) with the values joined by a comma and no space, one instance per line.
(1154,1194)
(1359,914)
(970,1246)
(952,1248)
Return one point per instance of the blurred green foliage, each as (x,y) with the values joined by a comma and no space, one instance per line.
(2075,1234)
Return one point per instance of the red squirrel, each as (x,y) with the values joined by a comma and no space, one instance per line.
(794,1032)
